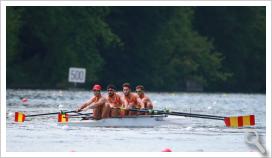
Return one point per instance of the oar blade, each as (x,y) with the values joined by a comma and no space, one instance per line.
(19,117)
(239,121)
(63,117)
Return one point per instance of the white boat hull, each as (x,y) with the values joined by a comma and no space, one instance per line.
(139,121)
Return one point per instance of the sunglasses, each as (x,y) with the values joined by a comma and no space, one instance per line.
(110,90)
(138,91)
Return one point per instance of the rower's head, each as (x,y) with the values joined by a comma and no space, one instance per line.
(97,89)
(126,89)
(111,89)
(140,90)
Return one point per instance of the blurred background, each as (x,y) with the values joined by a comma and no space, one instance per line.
(210,49)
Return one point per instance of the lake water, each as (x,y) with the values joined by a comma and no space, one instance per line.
(42,134)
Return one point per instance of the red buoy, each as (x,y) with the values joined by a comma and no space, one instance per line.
(167,150)
(24,100)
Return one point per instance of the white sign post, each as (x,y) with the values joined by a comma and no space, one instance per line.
(77,75)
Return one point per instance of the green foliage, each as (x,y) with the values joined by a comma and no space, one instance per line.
(13,48)
(164,51)
(221,48)
(56,38)
(239,33)
(186,54)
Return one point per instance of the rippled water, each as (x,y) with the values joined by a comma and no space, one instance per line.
(43,133)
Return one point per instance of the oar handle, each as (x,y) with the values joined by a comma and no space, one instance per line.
(80,114)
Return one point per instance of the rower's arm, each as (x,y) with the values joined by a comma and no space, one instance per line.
(101,102)
(124,102)
(85,104)
(149,103)
(140,103)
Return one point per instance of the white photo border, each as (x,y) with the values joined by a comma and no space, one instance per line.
(4,4)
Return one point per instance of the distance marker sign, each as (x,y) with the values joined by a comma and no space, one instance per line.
(77,75)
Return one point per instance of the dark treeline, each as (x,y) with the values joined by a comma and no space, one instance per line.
(163,48)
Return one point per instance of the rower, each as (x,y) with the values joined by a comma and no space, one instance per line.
(113,101)
(144,99)
(97,103)
(130,100)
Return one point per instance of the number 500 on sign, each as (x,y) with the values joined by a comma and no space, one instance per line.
(77,75)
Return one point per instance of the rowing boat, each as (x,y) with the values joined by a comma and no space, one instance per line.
(155,118)
(131,121)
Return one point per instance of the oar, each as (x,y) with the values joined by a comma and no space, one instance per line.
(64,117)
(214,117)
(80,114)
(232,121)
(82,117)
(179,114)
(20,117)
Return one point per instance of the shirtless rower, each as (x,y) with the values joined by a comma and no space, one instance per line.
(113,101)
(144,99)
(131,100)
(97,103)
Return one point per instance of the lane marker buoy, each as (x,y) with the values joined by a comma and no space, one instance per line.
(167,150)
